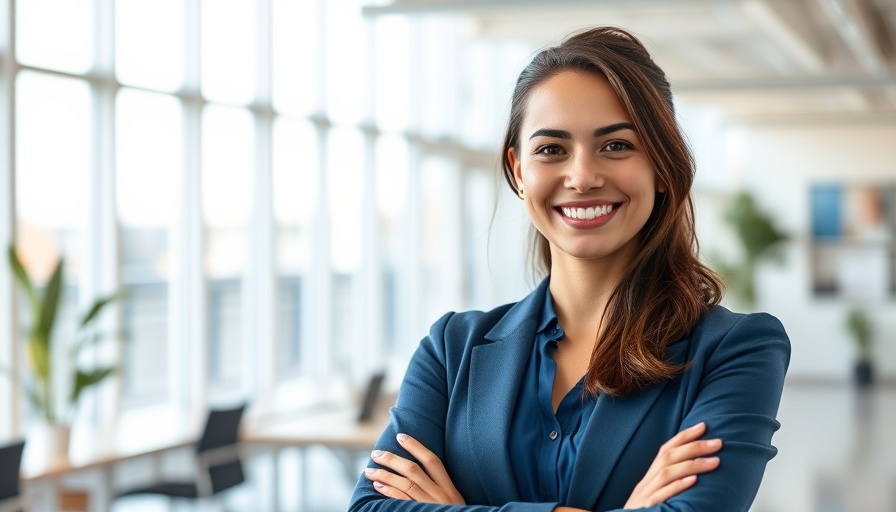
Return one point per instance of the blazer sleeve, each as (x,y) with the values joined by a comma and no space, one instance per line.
(421,411)
(740,388)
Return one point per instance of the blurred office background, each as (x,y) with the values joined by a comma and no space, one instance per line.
(291,191)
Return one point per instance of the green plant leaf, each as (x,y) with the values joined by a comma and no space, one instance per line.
(88,340)
(84,380)
(98,306)
(37,353)
(50,304)
(40,402)
(18,270)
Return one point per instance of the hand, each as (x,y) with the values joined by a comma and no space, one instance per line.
(430,484)
(675,467)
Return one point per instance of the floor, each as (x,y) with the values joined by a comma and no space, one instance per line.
(837,453)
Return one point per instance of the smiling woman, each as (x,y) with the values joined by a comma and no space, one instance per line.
(619,382)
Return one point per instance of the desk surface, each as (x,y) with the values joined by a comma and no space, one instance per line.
(335,428)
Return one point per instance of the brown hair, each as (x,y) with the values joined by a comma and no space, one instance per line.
(665,289)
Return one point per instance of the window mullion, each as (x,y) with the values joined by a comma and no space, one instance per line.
(189,374)
(9,353)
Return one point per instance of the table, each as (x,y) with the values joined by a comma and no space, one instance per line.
(103,449)
(337,430)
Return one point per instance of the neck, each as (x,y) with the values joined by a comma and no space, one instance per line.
(581,290)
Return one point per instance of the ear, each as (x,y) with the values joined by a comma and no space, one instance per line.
(660,187)
(517,168)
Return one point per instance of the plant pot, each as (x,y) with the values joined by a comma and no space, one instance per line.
(863,374)
(51,444)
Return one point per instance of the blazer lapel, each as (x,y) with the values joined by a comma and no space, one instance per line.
(496,370)
(614,421)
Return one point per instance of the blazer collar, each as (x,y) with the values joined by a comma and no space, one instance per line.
(496,370)
(606,438)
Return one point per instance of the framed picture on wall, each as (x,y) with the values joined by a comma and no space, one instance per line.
(853,249)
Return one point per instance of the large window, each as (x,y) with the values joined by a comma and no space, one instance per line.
(148,170)
(282,185)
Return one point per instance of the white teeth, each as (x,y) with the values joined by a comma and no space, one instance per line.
(587,213)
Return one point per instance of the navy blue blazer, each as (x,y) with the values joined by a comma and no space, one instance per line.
(460,387)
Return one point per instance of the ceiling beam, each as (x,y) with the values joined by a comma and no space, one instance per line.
(422,7)
(801,46)
(856,28)
(782,84)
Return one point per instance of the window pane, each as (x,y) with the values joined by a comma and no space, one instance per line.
(52,186)
(55,34)
(295,171)
(296,57)
(228,50)
(392,73)
(345,62)
(442,274)
(345,159)
(52,190)
(149,43)
(148,152)
(227,156)
(392,158)
(436,79)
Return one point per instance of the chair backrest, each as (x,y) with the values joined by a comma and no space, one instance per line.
(10,466)
(222,430)
(371,397)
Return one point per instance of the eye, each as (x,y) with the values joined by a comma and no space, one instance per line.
(549,150)
(617,146)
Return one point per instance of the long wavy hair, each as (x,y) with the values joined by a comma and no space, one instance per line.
(665,290)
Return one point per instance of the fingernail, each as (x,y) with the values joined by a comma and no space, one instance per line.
(369,471)
(714,443)
(402,438)
(376,453)
(709,460)
(687,479)
(378,485)
(695,427)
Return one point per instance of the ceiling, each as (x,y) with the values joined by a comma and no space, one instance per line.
(756,60)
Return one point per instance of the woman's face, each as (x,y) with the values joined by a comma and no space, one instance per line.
(587,182)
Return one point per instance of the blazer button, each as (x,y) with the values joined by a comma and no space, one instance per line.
(553,435)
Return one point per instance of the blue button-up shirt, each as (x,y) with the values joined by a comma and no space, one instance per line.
(542,444)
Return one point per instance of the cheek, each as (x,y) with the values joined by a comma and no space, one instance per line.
(536,180)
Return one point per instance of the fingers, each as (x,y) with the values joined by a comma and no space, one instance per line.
(432,464)
(408,480)
(672,489)
(676,467)
(388,490)
(685,446)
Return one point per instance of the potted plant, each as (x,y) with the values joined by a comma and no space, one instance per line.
(38,383)
(859,325)
(759,238)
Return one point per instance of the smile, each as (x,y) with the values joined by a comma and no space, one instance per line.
(586,213)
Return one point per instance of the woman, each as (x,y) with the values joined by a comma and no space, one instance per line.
(619,382)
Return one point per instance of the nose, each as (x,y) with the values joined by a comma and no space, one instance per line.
(584,174)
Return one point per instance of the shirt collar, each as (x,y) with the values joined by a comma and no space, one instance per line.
(548,317)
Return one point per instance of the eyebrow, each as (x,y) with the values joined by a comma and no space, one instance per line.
(563,134)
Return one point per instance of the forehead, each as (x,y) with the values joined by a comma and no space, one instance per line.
(574,98)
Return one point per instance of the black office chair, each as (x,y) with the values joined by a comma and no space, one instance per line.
(218,458)
(10,467)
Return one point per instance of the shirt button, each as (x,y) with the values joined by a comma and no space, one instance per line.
(553,435)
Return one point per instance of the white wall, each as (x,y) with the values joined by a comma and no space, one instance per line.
(780,163)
